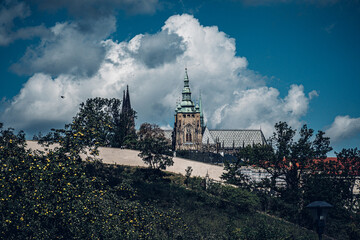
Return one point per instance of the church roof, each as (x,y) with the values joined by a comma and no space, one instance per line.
(207,137)
(186,105)
(228,137)
(233,138)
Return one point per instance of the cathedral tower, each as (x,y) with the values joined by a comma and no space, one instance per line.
(188,121)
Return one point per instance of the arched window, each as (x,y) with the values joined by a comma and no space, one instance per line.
(188,136)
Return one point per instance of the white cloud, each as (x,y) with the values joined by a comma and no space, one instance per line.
(167,127)
(233,95)
(262,108)
(73,48)
(313,94)
(343,127)
(11,10)
(157,49)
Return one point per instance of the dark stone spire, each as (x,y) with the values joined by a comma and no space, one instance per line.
(126,105)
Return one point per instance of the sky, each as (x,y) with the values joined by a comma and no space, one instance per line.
(255,62)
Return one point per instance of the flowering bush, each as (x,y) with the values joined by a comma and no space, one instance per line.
(49,195)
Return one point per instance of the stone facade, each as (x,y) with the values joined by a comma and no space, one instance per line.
(188,125)
(190,132)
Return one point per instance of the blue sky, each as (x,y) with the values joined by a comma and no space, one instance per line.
(256,62)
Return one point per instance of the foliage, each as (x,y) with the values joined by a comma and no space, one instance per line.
(207,157)
(54,194)
(347,168)
(287,159)
(232,173)
(154,147)
(188,172)
(100,122)
(307,176)
(44,194)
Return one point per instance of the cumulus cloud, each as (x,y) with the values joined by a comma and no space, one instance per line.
(262,108)
(73,48)
(39,102)
(153,66)
(343,127)
(157,49)
(11,10)
(76,47)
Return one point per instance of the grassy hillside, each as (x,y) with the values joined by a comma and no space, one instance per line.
(57,195)
(218,212)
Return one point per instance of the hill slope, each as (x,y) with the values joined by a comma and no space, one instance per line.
(130,158)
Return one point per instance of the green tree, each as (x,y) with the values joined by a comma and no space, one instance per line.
(96,120)
(284,159)
(289,159)
(347,168)
(232,173)
(100,122)
(45,195)
(126,129)
(155,148)
(57,195)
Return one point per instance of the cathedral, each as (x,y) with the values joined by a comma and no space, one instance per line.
(191,133)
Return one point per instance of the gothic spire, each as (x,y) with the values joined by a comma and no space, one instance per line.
(186,93)
(201,111)
(126,105)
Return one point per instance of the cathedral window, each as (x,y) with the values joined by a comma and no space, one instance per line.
(188,137)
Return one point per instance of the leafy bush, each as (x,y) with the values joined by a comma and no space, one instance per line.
(57,195)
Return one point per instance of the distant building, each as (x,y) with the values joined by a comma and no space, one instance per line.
(127,132)
(191,133)
(188,126)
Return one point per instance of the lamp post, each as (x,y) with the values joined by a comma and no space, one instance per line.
(319,211)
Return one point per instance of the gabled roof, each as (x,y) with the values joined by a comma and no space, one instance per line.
(207,138)
(230,138)
(236,138)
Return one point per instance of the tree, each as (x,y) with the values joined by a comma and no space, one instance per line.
(233,174)
(96,120)
(188,172)
(286,159)
(43,194)
(100,122)
(155,148)
(56,195)
(292,159)
(347,168)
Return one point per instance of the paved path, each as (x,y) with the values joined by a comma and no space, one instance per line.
(131,158)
